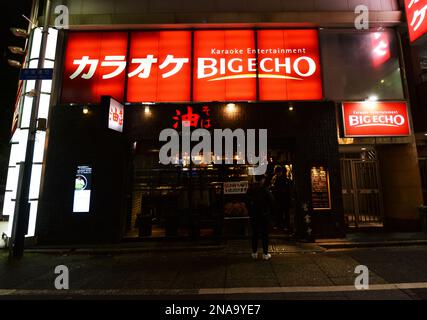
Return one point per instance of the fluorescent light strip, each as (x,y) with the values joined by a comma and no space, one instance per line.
(36,41)
(44,105)
(39,146)
(32,219)
(20,137)
(36,173)
(51,44)
(8,204)
(26,112)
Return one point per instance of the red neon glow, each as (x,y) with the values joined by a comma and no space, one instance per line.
(169,77)
(370,119)
(296,61)
(416,18)
(222,69)
(380,48)
(226,66)
(88,86)
(193,118)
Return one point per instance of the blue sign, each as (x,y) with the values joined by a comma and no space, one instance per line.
(36,74)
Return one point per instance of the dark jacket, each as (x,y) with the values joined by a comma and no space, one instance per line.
(280,185)
(259,201)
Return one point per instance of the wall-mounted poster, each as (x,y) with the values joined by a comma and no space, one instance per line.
(236,187)
(82,189)
(320,190)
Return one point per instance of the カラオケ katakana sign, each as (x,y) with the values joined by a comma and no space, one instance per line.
(416,18)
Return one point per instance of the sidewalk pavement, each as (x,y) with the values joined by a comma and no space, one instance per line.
(225,270)
(231,246)
(377,239)
(300,271)
(277,244)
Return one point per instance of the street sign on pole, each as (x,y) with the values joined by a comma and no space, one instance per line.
(22,203)
(36,74)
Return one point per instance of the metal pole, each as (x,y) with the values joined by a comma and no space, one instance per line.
(21,217)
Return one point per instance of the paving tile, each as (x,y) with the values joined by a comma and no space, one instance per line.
(335,266)
(345,281)
(250,269)
(252,282)
(377,295)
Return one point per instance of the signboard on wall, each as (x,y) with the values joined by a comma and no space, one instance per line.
(116,115)
(161,66)
(94,66)
(375,119)
(82,189)
(236,187)
(416,18)
(320,190)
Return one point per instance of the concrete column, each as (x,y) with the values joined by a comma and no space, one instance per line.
(401,185)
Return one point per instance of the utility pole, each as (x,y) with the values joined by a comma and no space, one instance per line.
(22,208)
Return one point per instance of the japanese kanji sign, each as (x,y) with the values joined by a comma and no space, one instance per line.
(116,116)
(380,48)
(192,66)
(34,74)
(416,18)
(194,118)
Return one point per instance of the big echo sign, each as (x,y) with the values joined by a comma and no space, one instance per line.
(192,66)
(375,119)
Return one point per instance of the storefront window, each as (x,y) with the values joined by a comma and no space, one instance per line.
(422,56)
(360,65)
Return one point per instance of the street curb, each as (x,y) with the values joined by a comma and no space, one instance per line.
(345,245)
(165,248)
(121,250)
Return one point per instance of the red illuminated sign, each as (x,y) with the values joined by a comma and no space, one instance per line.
(193,118)
(225,70)
(224,65)
(116,116)
(375,119)
(159,66)
(380,48)
(289,65)
(95,64)
(416,18)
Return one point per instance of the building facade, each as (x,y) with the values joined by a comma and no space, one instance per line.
(336,103)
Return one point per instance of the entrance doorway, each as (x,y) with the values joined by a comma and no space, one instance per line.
(197,200)
(361,189)
(281,154)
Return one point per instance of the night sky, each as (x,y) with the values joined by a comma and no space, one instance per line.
(10,16)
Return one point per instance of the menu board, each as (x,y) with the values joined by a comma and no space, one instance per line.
(320,191)
(82,189)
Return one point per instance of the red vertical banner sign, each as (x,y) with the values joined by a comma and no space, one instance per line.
(380,48)
(289,65)
(416,11)
(159,66)
(224,65)
(95,65)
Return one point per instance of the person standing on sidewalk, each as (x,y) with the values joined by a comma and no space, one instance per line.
(280,187)
(259,202)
